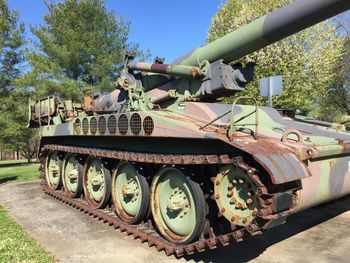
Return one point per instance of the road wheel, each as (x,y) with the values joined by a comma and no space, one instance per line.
(53,166)
(72,175)
(97,182)
(236,195)
(130,193)
(178,206)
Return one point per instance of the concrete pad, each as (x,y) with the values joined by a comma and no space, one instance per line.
(320,234)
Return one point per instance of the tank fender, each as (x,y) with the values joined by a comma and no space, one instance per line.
(279,161)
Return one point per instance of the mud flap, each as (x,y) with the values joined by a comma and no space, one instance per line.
(280,162)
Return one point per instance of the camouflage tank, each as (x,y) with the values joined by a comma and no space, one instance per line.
(163,160)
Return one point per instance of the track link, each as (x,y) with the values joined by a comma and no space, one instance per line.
(145,231)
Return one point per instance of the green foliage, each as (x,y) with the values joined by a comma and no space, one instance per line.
(306,60)
(13,120)
(336,105)
(81,45)
(11,41)
(13,104)
(16,245)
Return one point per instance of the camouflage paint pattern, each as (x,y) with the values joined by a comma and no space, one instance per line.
(173,109)
(321,179)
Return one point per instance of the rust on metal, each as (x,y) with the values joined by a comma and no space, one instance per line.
(148,234)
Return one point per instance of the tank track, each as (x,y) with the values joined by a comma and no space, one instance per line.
(145,231)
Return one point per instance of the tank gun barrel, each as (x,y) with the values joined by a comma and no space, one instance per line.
(172,70)
(266,30)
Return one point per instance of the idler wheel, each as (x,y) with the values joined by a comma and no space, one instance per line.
(72,175)
(178,206)
(97,182)
(235,195)
(53,166)
(130,193)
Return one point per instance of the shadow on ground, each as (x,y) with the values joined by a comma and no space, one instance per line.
(8,179)
(3,165)
(319,234)
(253,247)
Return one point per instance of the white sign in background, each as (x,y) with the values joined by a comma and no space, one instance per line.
(271,86)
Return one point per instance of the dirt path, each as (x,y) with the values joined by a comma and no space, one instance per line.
(320,234)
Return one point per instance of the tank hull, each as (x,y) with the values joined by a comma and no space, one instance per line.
(330,179)
(323,160)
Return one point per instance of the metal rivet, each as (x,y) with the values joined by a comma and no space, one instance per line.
(217,196)
(217,182)
(223,210)
(244,220)
(229,193)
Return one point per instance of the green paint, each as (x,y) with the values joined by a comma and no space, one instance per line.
(128,190)
(71,173)
(323,187)
(96,179)
(178,131)
(172,69)
(237,195)
(53,170)
(232,46)
(176,204)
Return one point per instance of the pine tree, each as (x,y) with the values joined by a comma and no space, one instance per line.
(80,46)
(13,109)
(11,42)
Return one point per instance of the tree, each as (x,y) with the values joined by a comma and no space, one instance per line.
(11,41)
(14,135)
(13,103)
(306,60)
(81,45)
(336,104)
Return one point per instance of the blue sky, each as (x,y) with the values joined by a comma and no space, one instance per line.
(167,28)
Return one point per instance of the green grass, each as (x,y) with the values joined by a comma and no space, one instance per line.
(14,162)
(16,245)
(20,173)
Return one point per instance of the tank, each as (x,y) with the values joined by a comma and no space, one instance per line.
(163,160)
